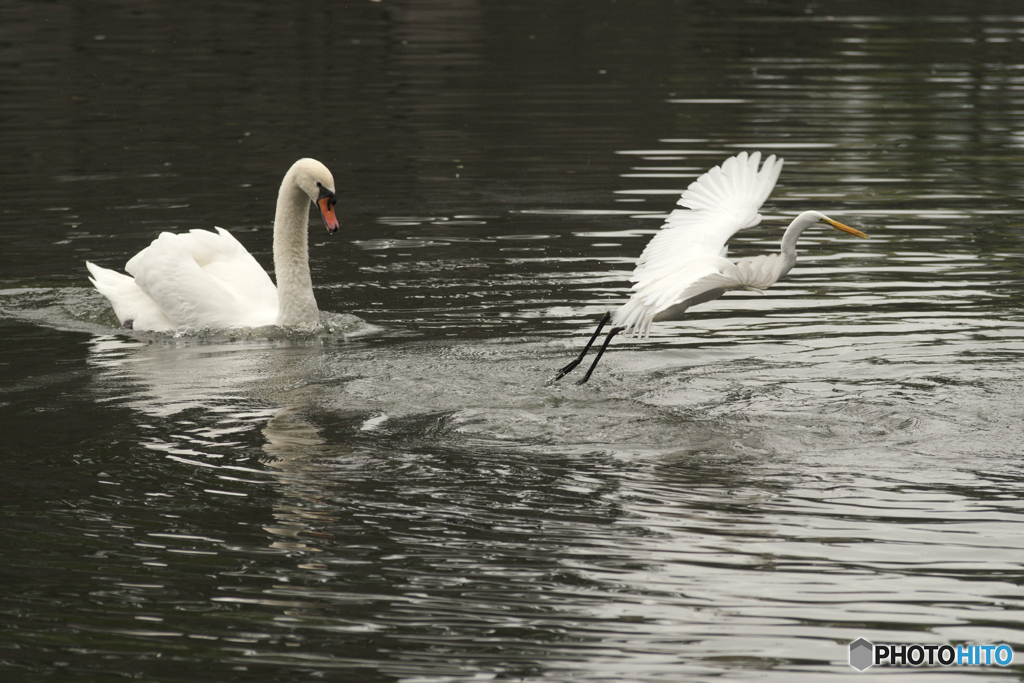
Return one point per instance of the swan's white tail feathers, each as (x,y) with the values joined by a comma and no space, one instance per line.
(129,302)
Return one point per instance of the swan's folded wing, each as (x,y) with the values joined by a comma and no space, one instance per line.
(224,258)
(205,279)
(171,277)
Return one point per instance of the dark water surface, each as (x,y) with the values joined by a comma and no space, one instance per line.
(403,497)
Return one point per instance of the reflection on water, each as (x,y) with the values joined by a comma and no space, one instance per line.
(637,528)
(407,499)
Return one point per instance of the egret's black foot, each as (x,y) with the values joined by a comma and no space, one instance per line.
(566,370)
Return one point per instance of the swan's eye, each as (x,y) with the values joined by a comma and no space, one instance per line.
(326,194)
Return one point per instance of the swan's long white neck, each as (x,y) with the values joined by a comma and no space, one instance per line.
(296,304)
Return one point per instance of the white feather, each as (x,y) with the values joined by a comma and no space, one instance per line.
(685,261)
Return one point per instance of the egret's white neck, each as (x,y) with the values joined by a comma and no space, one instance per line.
(296,304)
(792,234)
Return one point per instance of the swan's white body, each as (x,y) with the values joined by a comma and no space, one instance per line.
(685,263)
(207,279)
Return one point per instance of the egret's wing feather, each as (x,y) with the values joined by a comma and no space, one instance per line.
(675,289)
(712,209)
(689,236)
(688,281)
(684,263)
(693,282)
(759,272)
(693,279)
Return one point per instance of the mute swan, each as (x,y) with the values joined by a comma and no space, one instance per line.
(685,265)
(206,279)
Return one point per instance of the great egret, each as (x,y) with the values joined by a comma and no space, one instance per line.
(685,265)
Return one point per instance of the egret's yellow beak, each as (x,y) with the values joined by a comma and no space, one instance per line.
(845,228)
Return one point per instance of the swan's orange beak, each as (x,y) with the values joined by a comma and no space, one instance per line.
(326,204)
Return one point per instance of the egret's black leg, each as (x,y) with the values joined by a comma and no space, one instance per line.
(614,331)
(569,368)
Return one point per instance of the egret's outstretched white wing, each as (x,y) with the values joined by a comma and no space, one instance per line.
(685,261)
(713,208)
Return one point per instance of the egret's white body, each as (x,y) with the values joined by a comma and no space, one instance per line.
(207,279)
(685,263)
